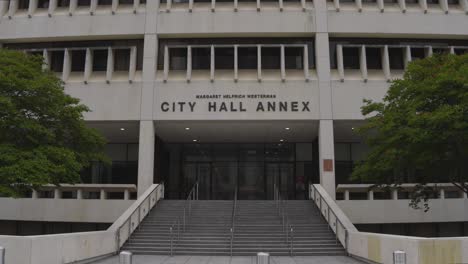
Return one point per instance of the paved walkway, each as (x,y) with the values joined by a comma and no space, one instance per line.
(147,259)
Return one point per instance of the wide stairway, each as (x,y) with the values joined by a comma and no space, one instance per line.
(257,226)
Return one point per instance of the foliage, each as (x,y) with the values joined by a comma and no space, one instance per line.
(419,133)
(43,138)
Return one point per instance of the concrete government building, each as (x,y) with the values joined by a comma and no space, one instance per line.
(240,114)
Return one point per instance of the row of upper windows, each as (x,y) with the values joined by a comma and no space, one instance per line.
(444,5)
(11,7)
(281,56)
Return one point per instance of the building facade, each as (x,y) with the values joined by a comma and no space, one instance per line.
(233,94)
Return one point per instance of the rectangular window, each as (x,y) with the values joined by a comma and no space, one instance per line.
(23,4)
(43,4)
(201,58)
(177,59)
(99,60)
(78,58)
(294,58)
(84,3)
(417,53)
(396,58)
(56,60)
(373,58)
(432,2)
(369,1)
(125,2)
(104,2)
(461,51)
(271,58)
(453,2)
(121,59)
(224,58)
(351,58)
(247,58)
(391,1)
(63,3)
(441,50)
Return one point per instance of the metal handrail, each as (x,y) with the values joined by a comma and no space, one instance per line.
(233,217)
(128,221)
(337,223)
(287,226)
(192,195)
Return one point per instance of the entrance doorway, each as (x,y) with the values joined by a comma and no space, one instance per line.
(252,169)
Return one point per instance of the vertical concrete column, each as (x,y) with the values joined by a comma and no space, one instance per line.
(32,7)
(327,156)
(189,63)
(66,65)
(12,8)
(88,65)
(102,194)
(259,63)
(126,194)
(79,194)
(395,194)
(346,195)
(370,195)
(4,7)
(34,194)
(110,64)
(283,66)
(442,194)
(325,133)
(57,193)
(236,70)
(146,155)
(52,7)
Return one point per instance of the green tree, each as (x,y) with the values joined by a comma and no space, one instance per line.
(419,132)
(43,137)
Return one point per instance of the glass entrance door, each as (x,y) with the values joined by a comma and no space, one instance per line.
(281,175)
(251,182)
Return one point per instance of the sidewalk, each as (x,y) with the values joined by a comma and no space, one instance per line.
(155,259)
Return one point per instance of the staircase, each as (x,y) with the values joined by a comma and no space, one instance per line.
(258,228)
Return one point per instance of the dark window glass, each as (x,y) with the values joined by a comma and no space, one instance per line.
(201,58)
(43,4)
(461,51)
(99,60)
(390,1)
(294,58)
(247,58)
(115,196)
(178,59)
(396,58)
(373,58)
(35,53)
(453,2)
(382,195)
(224,58)
(441,50)
(84,2)
(104,2)
(351,58)
(402,195)
(63,3)
(417,53)
(56,60)
(369,1)
(358,195)
(432,2)
(412,1)
(121,59)
(125,2)
(271,58)
(23,4)
(69,195)
(347,1)
(142,2)
(78,58)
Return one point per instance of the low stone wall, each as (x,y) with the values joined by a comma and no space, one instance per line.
(58,249)
(379,248)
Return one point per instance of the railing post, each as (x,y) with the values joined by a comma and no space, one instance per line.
(170,229)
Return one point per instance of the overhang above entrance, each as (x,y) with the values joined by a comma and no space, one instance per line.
(237,131)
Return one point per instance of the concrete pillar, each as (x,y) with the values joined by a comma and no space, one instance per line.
(346,195)
(370,195)
(395,194)
(57,194)
(327,156)
(103,194)
(325,135)
(126,194)
(34,194)
(146,156)
(79,194)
